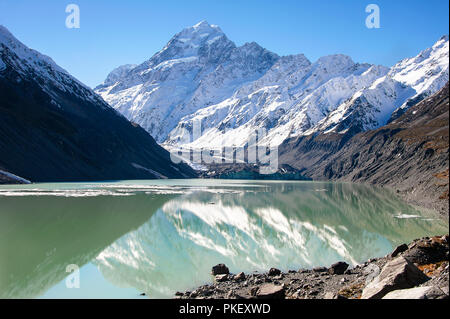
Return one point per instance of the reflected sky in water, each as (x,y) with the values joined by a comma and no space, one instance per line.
(162,236)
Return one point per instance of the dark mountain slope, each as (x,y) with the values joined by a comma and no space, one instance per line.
(410,154)
(8,178)
(53,128)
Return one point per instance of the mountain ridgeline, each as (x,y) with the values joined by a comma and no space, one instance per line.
(201,76)
(53,128)
(332,119)
(409,155)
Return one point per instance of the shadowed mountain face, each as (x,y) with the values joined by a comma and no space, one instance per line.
(410,154)
(53,128)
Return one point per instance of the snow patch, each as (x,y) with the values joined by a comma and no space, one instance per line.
(15,177)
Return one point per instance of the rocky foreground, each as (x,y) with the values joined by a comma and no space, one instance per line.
(419,270)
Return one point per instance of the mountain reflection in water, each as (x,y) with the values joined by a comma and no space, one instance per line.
(162,236)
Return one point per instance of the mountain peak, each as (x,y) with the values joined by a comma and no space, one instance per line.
(202,28)
(444,38)
(201,24)
(335,62)
(117,74)
(4,31)
(253,49)
(7,38)
(252,45)
(200,40)
(204,25)
(24,53)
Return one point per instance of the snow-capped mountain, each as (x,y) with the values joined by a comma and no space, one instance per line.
(32,64)
(407,83)
(201,77)
(54,128)
(199,67)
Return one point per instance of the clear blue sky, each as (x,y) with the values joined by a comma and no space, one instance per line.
(116,32)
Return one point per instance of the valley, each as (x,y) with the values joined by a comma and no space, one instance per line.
(210,152)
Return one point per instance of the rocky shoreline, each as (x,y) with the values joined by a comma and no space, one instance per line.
(419,270)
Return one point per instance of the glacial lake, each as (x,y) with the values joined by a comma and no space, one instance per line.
(163,236)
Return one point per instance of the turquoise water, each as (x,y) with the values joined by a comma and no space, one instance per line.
(164,236)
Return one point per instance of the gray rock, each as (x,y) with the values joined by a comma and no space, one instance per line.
(396,274)
(313,293)
(193,294)
(427,251)
(338,268)
(220,269)
(302,271)
(274,272)
(399,250)
(348,272)
(221,278)
(270,291)
(416,293)
(254,291)
(258,281)
(320,269)
(240,276)
(330,295)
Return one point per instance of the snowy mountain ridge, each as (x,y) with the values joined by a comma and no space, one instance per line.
(201,76)
(28,62)
(54,128)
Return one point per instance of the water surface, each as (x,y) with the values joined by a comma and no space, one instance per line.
(164,236)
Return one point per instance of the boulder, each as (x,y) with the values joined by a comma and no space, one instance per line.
(240,276)
(220,269)
(417,293)
(221,278)
(254,291)
(338,268)
(303,271)
(274,272)
(320,269)
(330,295)
(270,291)
(428,251)
(399,250)
(396,274)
